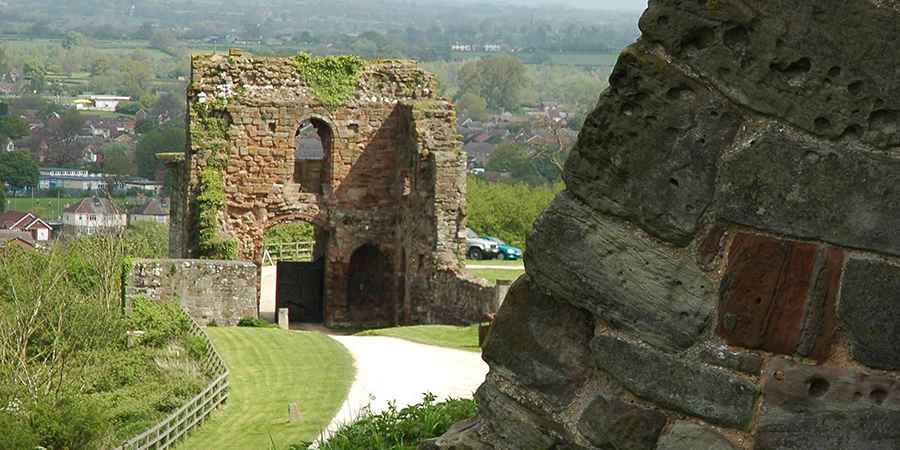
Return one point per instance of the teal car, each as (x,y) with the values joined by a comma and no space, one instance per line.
(507,252)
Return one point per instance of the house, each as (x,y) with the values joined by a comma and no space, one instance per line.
(99,103)
(26,222)
(156,211)
(93,216)
(12,239)
(141,184)
(71,179)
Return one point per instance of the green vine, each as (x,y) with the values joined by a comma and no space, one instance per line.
(210,201)
(331,78)
(209,135)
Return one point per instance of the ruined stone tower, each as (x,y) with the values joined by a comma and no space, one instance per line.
(385,190)
(723,268)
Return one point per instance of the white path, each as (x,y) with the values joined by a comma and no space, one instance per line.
(484,266)
(390,369)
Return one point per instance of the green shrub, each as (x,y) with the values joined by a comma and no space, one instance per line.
(162,322)
(196,347)
(400,429)
(17,433)
(507,211)
(253,322)
(69,423)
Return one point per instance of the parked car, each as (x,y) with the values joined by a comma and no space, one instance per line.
(480,248)
(507,251)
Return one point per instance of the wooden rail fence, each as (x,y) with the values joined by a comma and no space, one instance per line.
(167,432)
(289,251)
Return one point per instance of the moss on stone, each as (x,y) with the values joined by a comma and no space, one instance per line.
(331,78)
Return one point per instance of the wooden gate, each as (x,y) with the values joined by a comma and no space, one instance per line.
(300,289)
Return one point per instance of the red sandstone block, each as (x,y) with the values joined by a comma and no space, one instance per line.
(778,295)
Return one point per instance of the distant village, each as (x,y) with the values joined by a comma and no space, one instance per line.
(86,193)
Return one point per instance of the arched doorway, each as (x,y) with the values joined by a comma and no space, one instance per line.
(370,289)
(294,254)
(313,144)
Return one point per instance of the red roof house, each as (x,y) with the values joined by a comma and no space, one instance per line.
(25,222)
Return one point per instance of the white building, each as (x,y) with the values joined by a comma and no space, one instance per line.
(99,103)
(93,216)
(154,211)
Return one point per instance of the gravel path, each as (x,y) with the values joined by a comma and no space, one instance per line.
(391,369)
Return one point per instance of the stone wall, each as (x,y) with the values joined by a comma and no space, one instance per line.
(210,291)
(463,300)
(723,268)
(393,176)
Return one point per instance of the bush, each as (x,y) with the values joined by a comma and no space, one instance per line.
(17,434)
(507,211)
(253,322)
(162,322)
(400,429)
(69,424)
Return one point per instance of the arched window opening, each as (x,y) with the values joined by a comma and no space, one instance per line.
(312,144)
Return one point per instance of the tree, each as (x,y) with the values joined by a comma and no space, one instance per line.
(515,160)
(64,135)
(135,76)
(72,40)
(116,160)
(500,80)
(18,170)
(473,106)
(13,128)
(2,198)
(167,139)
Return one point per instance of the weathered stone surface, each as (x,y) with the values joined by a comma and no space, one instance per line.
(781,180)
(745,148)
(544,356)
(461,436)
(699,391)
(690,436)
(649,152)
(809,407)
(797,61)
(741,361)
(514,427)
(613,423)
(604,266)
(870,312)
(210,291)
(776,294)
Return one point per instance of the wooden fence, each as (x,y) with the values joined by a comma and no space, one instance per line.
(167,432)
(289,251)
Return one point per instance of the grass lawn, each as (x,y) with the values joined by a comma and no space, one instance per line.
(271,368)
(461,338)
(495,262)
(493,275)
(44,207)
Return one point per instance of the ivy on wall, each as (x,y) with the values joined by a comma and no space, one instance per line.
(209,134)
(331,78)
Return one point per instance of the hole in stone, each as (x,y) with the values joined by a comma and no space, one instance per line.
(779,43)
(650,118)
(818,386)
(853,131)
(714,114)
(702,141)
(884,121)
(834,72)
(879,103)
(680,93)
(737,38)
(724,71)
(857,396)
(662,20)
(822,124)
(878,395)
(855,87)
(699,38)
(272,126)
(673,182)
(758,300)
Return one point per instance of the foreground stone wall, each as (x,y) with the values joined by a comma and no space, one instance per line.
(723,269)
(210,291)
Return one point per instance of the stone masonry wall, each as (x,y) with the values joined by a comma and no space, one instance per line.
(723,268)
(393,175)
(210,291)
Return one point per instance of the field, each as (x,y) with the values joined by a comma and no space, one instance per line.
(460,338)
(592,60)
(271,368)
(51,208)
(505,270)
